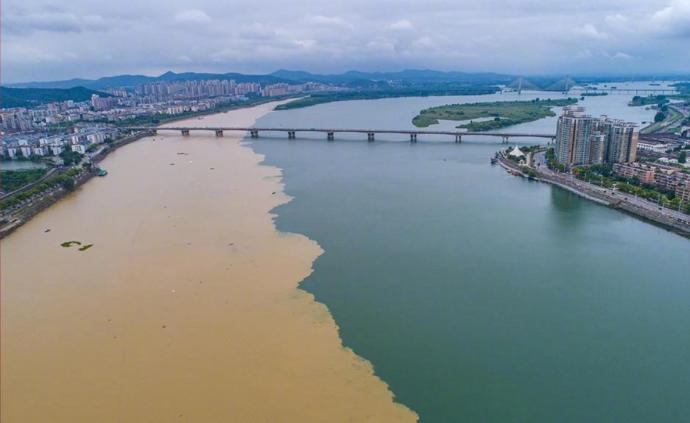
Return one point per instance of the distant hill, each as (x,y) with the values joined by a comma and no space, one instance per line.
(131,81)
(353,78)
(417,76)
(32,97)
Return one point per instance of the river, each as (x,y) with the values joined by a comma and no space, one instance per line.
(476,295)
(185,308)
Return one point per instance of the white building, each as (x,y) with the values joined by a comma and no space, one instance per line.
(56,149)
(652,147)
(79,148)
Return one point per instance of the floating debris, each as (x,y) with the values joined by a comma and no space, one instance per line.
(68,244)
(172,164)
(183,154)
(47,230)
(85,247)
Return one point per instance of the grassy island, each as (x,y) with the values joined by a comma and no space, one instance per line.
(649,100)
(504,113)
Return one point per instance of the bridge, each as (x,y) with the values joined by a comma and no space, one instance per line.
(330,132)
(616,90)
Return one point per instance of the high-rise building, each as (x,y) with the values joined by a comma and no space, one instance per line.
(573,136)
(582,139)
(622,141)
(597,148)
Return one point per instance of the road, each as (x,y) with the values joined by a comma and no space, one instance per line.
(636,204)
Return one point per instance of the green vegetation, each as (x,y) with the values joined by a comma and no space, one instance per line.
(320,98)
(551,161)
(32,97)
(658,100)
(68,244)
(11,180)
(85,247)
(667,118)
(603,175)
(70,157)
(504,113)
(64,180)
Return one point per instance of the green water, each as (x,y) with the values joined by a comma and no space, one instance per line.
(479,296)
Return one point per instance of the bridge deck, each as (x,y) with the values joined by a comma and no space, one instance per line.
(341,130)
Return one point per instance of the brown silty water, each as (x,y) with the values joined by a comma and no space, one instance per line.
(186,308)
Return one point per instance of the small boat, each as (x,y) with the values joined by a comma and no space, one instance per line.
(101,172)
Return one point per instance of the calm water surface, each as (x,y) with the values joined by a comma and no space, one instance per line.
(479,296)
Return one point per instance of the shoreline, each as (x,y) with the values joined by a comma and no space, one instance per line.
(606,200)
(26,214)
(187,306)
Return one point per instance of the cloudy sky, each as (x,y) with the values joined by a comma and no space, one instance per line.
(51,39)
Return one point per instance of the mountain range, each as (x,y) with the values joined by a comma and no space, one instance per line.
(350,78)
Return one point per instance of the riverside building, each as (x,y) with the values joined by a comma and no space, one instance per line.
(582,139)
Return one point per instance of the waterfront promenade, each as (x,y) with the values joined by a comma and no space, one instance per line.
(673,219)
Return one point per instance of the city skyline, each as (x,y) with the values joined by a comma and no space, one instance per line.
(45,40)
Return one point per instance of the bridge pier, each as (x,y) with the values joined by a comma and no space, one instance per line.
(504,139)
(185,132)
(291,135)
(330,136)
(254,133)
(413,138)
(219,132)
(458,139)
(370,136)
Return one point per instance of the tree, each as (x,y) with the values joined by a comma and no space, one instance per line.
(659,117)
(70,157)
(68,184)
(683,157)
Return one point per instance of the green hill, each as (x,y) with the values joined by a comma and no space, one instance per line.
(32,97)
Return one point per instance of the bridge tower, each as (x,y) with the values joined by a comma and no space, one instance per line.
(370,136)
(413,138)
(330,136)
(185,132)
(219,132)
(291,135)
(568,83)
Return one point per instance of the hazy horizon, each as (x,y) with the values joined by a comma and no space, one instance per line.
(46,40)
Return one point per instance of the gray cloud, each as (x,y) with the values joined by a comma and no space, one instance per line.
(50,39)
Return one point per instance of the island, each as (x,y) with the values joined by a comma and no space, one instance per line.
(504,113)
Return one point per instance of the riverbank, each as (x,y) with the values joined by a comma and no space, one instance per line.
(187,305)
(607,197)
(16,218)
